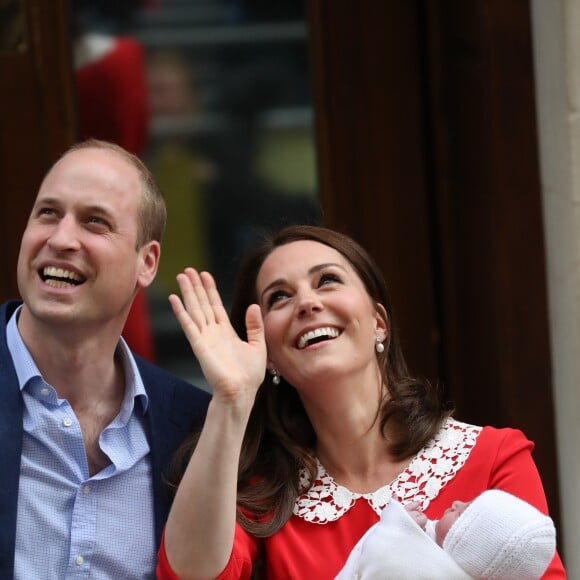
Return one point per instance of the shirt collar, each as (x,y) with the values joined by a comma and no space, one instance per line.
(134,387)
(27,370)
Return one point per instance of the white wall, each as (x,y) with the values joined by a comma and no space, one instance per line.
(556,32)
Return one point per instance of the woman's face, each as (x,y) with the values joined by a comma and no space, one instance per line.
(318,316)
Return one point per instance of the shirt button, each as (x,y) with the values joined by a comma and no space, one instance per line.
(79,560)
(45,391)
(86,489)
(67,422)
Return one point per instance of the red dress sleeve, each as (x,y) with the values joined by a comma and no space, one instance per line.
(239,567)
(163,570)
(243,558)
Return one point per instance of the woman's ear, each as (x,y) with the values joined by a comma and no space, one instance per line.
(382,321)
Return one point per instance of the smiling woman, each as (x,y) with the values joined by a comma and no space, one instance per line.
(290,470)
(310,295)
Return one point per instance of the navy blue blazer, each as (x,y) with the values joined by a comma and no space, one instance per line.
(175,409)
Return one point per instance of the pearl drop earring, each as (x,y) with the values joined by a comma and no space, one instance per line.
(275,376)
(379,346)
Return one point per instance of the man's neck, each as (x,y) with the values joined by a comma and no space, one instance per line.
(79,363)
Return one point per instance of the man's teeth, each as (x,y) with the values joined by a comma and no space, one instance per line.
(59,278)
(58,283)
(326,332)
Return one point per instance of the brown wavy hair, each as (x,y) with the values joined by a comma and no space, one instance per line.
(279,439)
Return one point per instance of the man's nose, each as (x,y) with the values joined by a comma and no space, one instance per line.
(65,235)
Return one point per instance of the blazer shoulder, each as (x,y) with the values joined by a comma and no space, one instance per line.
(160,383)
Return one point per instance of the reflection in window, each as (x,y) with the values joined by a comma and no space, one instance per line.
(12,26)
(228,134)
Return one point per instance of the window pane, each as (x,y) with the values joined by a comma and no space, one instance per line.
(228,132)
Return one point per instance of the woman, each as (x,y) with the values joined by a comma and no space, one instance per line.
(315,422)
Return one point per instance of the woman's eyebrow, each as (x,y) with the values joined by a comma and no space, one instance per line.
(313,270)
(319,267)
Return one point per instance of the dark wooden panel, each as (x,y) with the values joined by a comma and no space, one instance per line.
(37,121)
(488,197)
(369,129)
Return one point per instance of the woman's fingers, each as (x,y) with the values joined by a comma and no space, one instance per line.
(213,296)
(230,365)
(200,297)
(197,301)
(200,309)
(254,325)
(187,324)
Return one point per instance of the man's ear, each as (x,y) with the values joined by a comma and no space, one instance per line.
(150,254)
(382,321)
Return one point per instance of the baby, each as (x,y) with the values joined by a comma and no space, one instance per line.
(495,536)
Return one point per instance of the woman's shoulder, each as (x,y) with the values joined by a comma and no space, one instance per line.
(482,457)
(496,452)
(474,443)
(504,438)
(460,432)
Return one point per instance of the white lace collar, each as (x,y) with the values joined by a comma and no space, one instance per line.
(429,471)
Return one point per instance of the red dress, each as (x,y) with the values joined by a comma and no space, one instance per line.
(460,463)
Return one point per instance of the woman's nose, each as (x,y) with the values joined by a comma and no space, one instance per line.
(309,303)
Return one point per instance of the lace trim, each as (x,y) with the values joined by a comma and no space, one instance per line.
(429,471)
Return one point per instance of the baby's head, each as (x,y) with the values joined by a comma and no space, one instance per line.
(448,518)
(498,535)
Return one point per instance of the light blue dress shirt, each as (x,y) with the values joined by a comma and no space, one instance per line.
(71,525)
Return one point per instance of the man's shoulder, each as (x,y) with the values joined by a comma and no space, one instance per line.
(6,310)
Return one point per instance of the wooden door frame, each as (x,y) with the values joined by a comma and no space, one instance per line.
(37,123)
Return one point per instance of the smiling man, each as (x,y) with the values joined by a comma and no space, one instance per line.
(87,428)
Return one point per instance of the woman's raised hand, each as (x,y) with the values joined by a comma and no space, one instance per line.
(230,365)
(200,530)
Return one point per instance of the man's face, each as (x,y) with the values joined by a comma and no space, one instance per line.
(78,262)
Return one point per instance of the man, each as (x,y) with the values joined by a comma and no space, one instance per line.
(86,429)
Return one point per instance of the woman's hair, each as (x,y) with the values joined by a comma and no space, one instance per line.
(279,439)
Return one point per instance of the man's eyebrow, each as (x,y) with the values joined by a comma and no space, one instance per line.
(93,208)
(313,270)
(45,200)
(100,209)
